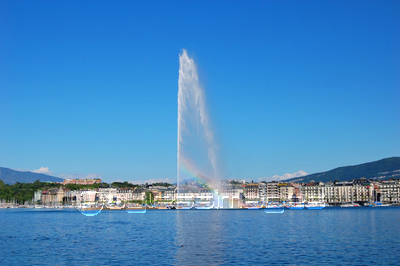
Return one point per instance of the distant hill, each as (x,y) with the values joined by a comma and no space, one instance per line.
(10,176)
(383,169)
(198,178)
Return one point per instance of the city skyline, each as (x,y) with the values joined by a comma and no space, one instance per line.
(90,89)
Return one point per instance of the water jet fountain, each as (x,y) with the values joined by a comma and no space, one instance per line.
(197,165)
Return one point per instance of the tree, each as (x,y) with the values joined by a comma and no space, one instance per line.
(149,197)
(37,184)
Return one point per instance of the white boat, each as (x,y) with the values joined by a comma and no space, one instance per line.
(90,211)
(380,204)
(296,206)
(347,205)
(203,208)
(315,205)
(272,206)
(136,210)
(274,210)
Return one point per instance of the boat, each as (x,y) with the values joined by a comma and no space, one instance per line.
(347,205)
(90,210)
(380,204)
(369,204)
(315,205)
(203,208)
(296,206)
(136,210)
(112,208)
(273,209)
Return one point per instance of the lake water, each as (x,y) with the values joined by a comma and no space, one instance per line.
(350,236)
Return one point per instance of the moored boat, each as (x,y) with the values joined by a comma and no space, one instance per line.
(90,210)
(380,204)
(203,208)
(273,209)
(347,205)
(315,205)
(296,206)
(136,210)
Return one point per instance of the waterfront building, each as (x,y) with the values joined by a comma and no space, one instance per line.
(192,196)
(37,196)
(45,197)
(262,192)
(87,196)
(286,192)
(344,191)
(168,194)
(163,194)
(273,191)
(70,196)
(125,194)
(53,196)
(232,195)
(363,190)
(139,194)
(251,191)
(159,194)
(313,191)
(297,195)
(328,192)
(107,194)
(389,191)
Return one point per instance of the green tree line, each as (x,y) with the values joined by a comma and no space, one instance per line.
(22,192)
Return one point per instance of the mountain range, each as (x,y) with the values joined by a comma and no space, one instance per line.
(10,176)
(383,169)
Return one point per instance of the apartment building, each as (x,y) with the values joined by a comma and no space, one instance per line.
(251,192)
(287,192)
(273,191)
(389,191)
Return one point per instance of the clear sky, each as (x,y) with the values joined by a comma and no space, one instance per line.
(89,88)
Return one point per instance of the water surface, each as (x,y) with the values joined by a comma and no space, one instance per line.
(350,236)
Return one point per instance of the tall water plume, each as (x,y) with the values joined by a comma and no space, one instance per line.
(197,150)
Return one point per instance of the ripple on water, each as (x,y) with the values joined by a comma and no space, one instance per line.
(330,236)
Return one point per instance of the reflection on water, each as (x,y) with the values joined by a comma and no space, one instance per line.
(200,235)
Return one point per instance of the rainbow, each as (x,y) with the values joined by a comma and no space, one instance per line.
(189,170)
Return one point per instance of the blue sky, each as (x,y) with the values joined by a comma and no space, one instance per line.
(89,88)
